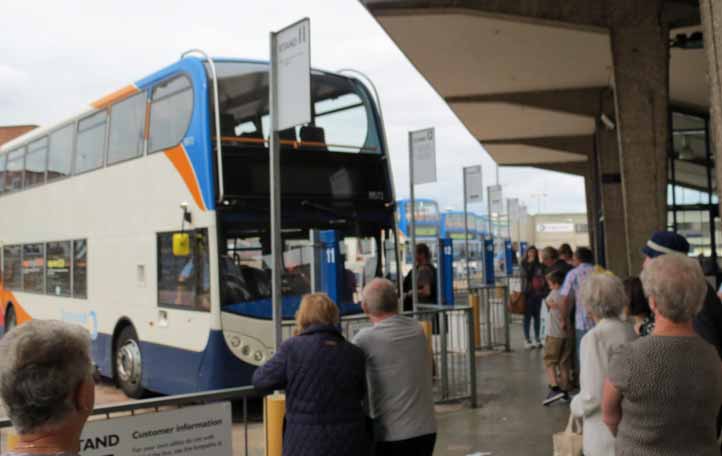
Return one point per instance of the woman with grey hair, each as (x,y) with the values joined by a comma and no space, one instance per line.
(663,391)
(604,296)
(47,386)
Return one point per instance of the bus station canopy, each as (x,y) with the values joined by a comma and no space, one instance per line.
(524,84)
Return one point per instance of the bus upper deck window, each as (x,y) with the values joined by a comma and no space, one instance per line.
(170,113)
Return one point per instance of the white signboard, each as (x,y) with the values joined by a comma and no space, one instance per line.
(555,227)
(512,206)
(474,185)
(423,156)
(191,431)
(496,199)
(292,54)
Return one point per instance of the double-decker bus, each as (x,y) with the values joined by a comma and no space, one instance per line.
(452,227)
(147,221)
(427,224)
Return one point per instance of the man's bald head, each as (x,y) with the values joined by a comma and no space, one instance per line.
(379,297)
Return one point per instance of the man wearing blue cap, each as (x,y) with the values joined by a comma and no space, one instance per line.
(708,322)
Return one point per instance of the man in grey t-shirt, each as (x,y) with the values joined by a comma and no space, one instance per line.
(398,371)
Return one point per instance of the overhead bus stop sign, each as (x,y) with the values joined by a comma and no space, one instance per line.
(289,105)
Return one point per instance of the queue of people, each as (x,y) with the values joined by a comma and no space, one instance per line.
(648,352)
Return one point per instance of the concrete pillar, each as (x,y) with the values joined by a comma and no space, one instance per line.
(712,21)
(610,182)
(640,52)
(591,190)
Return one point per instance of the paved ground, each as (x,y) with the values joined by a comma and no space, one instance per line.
(510,420)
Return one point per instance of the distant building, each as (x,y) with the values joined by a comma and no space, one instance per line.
(542,230)
(11,132)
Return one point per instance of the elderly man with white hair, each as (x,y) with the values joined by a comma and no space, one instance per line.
(398,371)
(663,392)
(47,385)
(604,296)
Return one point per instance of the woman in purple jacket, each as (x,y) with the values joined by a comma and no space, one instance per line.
(324,378)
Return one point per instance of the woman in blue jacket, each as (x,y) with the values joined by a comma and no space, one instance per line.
(324,378)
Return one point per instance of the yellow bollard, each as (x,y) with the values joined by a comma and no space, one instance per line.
(500,292)
(426,325)
(475,312)
(274,409)
(9,440)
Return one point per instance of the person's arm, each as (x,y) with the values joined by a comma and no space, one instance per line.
(564,307)
(611,407)
(272,375)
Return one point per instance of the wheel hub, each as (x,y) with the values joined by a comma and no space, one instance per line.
(129,362)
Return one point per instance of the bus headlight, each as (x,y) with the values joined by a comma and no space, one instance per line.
(246,348)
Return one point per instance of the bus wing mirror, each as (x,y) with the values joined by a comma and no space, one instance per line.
(181,244)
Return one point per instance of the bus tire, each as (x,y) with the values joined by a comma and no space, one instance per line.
(11,319)
(129,363)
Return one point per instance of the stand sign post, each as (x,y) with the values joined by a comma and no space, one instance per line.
(289,105)
(422,170)
(473,193)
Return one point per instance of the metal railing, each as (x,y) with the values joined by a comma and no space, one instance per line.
(494,316)
(450,334)
(237,396)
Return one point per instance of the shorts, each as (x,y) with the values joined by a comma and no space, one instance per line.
(557,352)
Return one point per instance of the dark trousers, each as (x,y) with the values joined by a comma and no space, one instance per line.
(533,311)
(418,446)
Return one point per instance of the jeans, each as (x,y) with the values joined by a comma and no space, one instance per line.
(417,446)
(533,310)
(578,342)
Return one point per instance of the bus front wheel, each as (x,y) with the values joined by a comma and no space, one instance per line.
(129,363)
(11,320)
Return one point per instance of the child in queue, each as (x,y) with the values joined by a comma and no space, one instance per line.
(557,346)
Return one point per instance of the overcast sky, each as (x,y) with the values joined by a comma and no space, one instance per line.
(56,57)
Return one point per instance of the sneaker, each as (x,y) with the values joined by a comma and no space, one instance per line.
(566,397)
(538,344)
(528,345)
(554,395)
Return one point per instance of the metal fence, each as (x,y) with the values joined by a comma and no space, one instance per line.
(449,332)
(450,335)
(494,316)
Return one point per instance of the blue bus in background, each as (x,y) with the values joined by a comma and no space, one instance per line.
(452,227)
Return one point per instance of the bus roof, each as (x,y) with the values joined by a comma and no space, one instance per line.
(126,91)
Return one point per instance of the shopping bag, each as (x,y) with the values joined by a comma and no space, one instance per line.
(569,441)
(517,303)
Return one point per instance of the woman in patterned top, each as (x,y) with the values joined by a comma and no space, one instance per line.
(663,392)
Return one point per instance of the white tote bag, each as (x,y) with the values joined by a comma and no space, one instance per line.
(569,442)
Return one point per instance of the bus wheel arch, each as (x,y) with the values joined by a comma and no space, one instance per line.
(127,362)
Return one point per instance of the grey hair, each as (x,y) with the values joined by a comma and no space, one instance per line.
(677,284)
(603,295)
(380,297)
(42,363)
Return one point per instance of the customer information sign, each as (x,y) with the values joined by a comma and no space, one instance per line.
(191,431)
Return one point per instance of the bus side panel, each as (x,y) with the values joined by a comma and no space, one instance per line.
(178,371)
(102,347)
